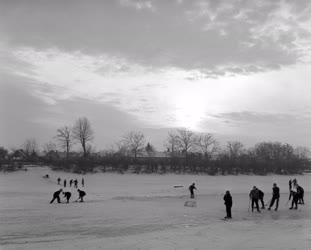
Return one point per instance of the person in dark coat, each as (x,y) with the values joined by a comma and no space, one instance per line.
(261,196)
(191,189)
(65,183)
(81,195)
(254,196)
(75,183)
(290,185)
(228,204)
(82,182)
(295,182)
(300,192)
(295,197)
(70,182)
(56,196)
(58,180)
(67,195)
(275,197)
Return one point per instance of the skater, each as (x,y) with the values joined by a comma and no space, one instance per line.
(56,196)
(275,197)
(254,196)
(65,183)
(300,192)
(191,189)
(228,204)
(82,182)
(261,195)
(295,197)
(70,182)
(75,183)
(67,195)
(290,185)
(294,182)
(58,180)
(81,195)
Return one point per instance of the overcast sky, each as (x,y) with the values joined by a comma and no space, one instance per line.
(239,69)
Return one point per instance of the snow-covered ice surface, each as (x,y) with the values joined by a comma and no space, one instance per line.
(147,212)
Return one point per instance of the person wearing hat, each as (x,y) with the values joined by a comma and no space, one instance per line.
(228,204)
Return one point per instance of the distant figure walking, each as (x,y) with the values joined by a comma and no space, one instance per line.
(70,182)
(82,182)
(81,195)
(261,196)
(295,197)
(67,195)
(65,183)
(300,192)
(56,196)
(254,196)
(275,197)
(191,189)
(228,204)
(76,183)
(58,180)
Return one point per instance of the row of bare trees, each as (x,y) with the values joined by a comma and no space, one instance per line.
(186,151)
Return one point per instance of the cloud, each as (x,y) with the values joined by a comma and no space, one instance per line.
(214,37)
(256,117)
(138,4)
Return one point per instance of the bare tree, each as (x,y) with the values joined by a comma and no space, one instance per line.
(235,149)
(65,139)
(185,140)
(30,147)
(303,153)
(83,133)
(206,143)
(172,143)
(134,142)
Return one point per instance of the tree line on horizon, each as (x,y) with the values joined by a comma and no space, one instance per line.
(186,152)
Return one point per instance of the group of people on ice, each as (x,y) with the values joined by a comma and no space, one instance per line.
(71,182)
(66,194)
(296,194)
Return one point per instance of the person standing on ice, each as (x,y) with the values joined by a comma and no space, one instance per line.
(300,192)
(228,204)
(75,183)
(191,189)
(58,180)
(65,183)
(290,185)
(295,197)
(82,182)
(261,195)
(67,195)
(254,196)
(70,182)
(56,196)
(81,195)
(275,197)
